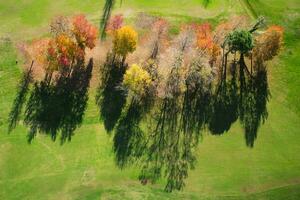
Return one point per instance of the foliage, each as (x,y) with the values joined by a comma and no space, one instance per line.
(205,42)
(137,80)
(84,32)
(60,52)
(56,105)
(204,37)
(240,40)
(269,43)
(115,23)
(125,41)
(68,45)
(179,91)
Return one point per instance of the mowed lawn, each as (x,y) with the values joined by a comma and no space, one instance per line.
(85,169)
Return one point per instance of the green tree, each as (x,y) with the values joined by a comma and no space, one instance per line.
(241,41)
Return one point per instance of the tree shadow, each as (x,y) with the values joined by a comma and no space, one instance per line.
(111,98)
(205,3)
(224,107)
(23,89)
(170,147)
(59,107)
(196,104)
(245,99)
(254,95)
(129,139)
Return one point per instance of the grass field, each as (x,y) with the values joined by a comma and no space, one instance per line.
(85,169)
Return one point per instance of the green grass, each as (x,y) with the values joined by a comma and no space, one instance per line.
(85,169)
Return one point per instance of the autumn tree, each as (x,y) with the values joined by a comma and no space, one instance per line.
(156,110)
(157,37)
(67,48)
(124,42)
(57,103)
(136,80)
(268,44)
(206,43)
(204,36)
(110,98)
(115,23)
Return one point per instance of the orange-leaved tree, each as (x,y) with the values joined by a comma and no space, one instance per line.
(206,43)
(67,47)
(204,36)
(269,43)
(56,105)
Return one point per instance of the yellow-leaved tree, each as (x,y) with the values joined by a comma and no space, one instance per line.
(125,41)
(137,80)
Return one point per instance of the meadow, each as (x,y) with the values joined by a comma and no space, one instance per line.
(84,168)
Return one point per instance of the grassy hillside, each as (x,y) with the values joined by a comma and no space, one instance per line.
(85,169)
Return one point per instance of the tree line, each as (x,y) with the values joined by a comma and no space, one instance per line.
(157,107)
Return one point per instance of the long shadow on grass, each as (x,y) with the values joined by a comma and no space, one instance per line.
(59,107)
(244,98)
(224,107)
(129,138)
(110,97)
(254,95)
(168,148)
(20,99)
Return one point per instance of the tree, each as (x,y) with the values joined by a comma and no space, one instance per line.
(110,97)
(176,94)
(206,43)
(241,41)
(269,43)
(56,106)
(114,24)
(137,80)
(67,47)
(204,37)
(124,42)
(84,32)
(157,37)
